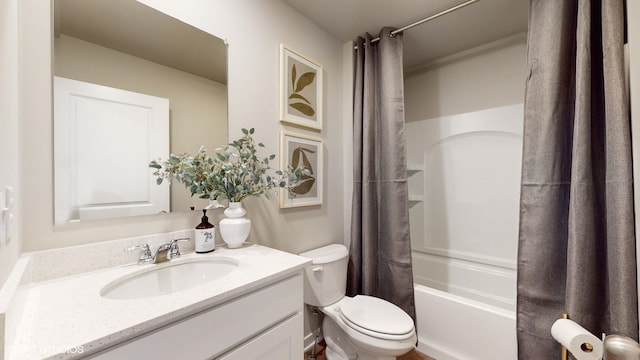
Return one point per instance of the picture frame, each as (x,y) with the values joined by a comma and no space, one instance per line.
(300,89)
(295,150)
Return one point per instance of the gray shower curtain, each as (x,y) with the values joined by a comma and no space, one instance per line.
(380,253)
(577,243)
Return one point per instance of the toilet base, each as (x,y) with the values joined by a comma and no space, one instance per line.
(340,348)
(332,355)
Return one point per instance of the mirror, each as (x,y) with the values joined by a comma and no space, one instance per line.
(126,45)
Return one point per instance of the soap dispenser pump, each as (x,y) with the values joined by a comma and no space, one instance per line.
(205,235)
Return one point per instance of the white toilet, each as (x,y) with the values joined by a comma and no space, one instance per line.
(361,327)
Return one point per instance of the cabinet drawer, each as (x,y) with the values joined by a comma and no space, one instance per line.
(282,342)
(218,329)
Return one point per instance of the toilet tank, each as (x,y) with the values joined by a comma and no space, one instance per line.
(326,277)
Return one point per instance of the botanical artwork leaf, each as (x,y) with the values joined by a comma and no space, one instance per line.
(306,180)
(293,76)
(295,158)
(304,185)
(303,108)
(297,100)
(298,96)
(305,80)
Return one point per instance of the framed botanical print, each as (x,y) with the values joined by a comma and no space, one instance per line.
(298,150)
(300,89)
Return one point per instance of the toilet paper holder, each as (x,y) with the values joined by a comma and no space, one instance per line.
(586,347)
(576,340)
(612,347)
(618,347)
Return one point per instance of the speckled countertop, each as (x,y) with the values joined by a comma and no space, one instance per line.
(67,317)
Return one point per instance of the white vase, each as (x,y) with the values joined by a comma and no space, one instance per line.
(234,228)
(214,204)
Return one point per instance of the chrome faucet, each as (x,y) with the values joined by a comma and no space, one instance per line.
(145,253)
(175,250)
(164,253)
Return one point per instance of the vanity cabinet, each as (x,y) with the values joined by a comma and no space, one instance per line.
(277,343)
(265,324)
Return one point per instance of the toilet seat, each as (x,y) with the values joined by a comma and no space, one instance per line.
(376,317)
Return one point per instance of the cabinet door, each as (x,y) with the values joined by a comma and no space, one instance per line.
(281,342)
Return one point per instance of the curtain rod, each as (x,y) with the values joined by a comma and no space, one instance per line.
(394,32)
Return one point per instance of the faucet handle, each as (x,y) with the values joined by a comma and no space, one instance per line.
(175,249)
(145,253)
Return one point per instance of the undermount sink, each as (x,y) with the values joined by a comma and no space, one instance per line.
(168,278)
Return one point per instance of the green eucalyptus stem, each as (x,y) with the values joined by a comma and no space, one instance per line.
(232,173)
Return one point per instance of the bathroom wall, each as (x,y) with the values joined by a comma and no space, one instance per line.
(9,108)
(484,77)
(254,30)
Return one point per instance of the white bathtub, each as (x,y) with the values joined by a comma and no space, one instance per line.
(452,327)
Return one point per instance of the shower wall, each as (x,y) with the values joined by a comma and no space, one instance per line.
(464,139)
(464,176)
(484,77)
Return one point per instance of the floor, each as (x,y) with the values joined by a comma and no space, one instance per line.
(411,355)
(415,355)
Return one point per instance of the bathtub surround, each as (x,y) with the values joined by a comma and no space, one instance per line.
(576,251)
(452,327)
(465,194)
(480,80)
(380,254)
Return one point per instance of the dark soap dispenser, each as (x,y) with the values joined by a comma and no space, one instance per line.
(205,235)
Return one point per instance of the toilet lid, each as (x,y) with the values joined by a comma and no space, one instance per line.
(374,316)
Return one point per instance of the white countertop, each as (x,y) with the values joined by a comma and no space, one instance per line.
(67,318)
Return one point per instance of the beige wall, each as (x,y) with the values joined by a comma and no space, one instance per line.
(254,30)
(198,106)
(9,141)
(481,78)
